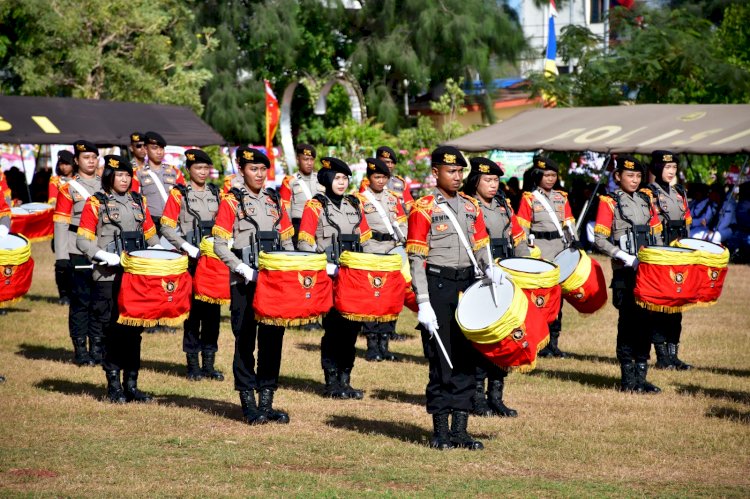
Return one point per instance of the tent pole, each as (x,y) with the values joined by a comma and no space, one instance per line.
(587,205)
(23,163)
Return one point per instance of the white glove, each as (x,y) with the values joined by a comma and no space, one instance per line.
(109,259)
(332,269)
(627,259)
(3,231)
(156,246)
(246,271)
(495,274)
(531,240)
(191,250)
(426,316)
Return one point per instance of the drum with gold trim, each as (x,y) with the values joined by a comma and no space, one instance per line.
(293,288)
(508,334)
(369,287)
(668,279)
(156,288)
(16,268)
(211,279)
(581,280)
(33,220)
(539,280)
(410,298)
(712,264)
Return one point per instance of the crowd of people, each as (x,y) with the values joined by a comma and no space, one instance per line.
(451,236)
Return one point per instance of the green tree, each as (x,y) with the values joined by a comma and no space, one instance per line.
(134,50)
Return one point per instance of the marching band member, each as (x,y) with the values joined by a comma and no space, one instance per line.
(507,239)
(332,223)
(387,219)
(63,270)
(188,217)
(626,221)
(254,219)
(396,184)
(4,230)
(115,220)
(447,248)
(137,150)
(670,203)
(298,189)
(545,214)
(70,204)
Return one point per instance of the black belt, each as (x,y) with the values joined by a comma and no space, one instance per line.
(553,234)
(451,273)
(379,236)
(72,228)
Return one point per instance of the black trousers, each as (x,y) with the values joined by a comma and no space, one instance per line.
(485,369)
(81,287)
(337,345)
(246,330)
(556,326)
(202,327)
(122,344)
(378,327)
(64,278)
(296,222)
(448,389)
(633,341)
(665,328)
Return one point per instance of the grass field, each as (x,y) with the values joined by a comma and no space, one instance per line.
(575,436)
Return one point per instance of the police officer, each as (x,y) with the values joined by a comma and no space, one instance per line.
(298,189)
(4,230)
(256,221)
(332,223)
(396,183)
(71,200)
(447,248)
(63,270)
(188,217)
(387,220)
(137,150)
(670,202)
(507,239)
(115,220)
(626,221)
(545,214)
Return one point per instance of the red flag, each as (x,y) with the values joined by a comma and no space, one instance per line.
(272,123)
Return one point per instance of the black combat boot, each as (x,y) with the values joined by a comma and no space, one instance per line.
(673,348)
(208,367)
(641,385)
(349,392)
(554,336)
(132,393)
(373,351)
(383,347)
(441,438)
(96,349)
(495,399)
(459,436)
(81,355)
(114,387)
(2,378)
(333,387)
(663,360)
(627,371)
(479,405)
(252,415)
(193,367)
(265,405)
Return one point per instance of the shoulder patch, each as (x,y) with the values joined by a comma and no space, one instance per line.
(469,198)
(425,201)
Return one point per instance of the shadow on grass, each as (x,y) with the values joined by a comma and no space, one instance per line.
(309,347)
(403,357)
(729,413)
(405,432)
(589,379)
(56,354)
(213,407)
(715,393)
(46,299)
(396,396)
(592,358)
(306,385)
(742,373)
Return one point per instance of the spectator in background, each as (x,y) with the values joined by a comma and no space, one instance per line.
(513,192)
(702,209)
(739,241)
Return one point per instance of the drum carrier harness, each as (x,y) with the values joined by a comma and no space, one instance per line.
(502,247)
(263,240)
(636,236)
(673,229)
(201,228)
(125,240)
(341,242)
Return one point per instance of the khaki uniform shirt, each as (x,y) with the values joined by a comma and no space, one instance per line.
(316,232)
(392,207)
(168,175)
(534,217)
(294,195)
(68,214)
(177,221)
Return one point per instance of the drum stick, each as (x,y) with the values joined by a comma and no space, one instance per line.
(442,349)
(493,289)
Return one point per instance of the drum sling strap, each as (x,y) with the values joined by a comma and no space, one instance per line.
(501,247)
(381,211)
(305,189)
(263,240)
(673,229)
(125,240)
(159,185)
(637,235)
(201,228)
(341,242)
(462,237)
(552,215)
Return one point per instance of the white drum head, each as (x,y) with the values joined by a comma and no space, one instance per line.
(675,249)
(17,210)
(477,310)
(301,254)
(34,207)
(399,250)
(567,260)
(11,242)
(699,244)
(156,254)
(528,265)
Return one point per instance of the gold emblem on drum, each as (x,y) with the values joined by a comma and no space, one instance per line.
(376,282)
(713,274)
(307,282)
(8,270)
(678,278)
(169,286)
(518,334)
(539,300)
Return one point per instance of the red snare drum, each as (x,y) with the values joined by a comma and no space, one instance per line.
(539,280)
(712,265)
(369,287)
(16,268)
(581,280)
(667,279)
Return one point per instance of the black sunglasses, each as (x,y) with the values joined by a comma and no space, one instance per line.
(139,146)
